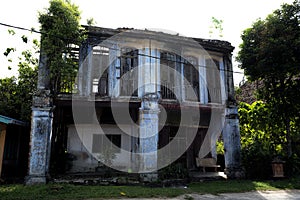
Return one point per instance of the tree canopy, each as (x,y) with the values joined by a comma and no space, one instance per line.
(270,53)
(61,33)
(16,92)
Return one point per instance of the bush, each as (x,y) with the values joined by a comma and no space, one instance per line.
(257,163)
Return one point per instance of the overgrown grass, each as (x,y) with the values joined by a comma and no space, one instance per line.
(68,191)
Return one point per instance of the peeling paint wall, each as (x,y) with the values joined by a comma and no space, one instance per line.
(80,147)
(40,146)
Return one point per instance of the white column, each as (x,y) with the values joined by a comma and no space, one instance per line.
(148,136)
(113,83)
(147,75)
(182,83)
(222,82)
(141,72)
(232,145)
(156,64)
(89,62)
(202,81)
(178,78)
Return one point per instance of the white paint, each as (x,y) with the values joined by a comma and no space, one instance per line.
(80,144)
(202,80)
(222,81)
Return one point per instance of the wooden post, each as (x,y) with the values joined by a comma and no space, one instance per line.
(2,144)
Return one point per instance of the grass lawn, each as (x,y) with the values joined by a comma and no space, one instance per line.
(68,191)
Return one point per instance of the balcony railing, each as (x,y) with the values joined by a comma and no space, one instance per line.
(68,85)
(191,92)
(127,88)
(214,95)
(167,91)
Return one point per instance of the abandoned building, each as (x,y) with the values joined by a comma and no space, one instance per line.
(141,100)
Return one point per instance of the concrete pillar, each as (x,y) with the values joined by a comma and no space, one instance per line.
(40,146)
(178,79)
(232,144)
(41,127)
(202,81)
(85,69)
(148,136)
(89,63)
(222,82)
(114,65)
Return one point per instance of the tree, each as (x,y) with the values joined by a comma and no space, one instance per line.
(16,92)
(270,53)
(61,33)
(262,140)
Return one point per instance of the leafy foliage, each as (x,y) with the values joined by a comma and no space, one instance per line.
(8,103)
(217,25)
(61,33)
(60,25)
(257,145)
(270,52)
(173,171)
(263,140)
(16,93)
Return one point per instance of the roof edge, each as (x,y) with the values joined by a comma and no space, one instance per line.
(9,120)
(210,44)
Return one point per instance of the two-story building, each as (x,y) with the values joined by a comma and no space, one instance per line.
(142,100)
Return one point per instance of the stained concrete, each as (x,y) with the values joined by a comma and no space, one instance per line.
(257,195)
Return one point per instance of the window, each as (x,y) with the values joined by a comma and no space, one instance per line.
(100,144)
(167,75)
(213,80)
(100,70)
(103,84)
(129,75)
(191,82)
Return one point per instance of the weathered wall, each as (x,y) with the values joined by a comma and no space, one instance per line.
(80,147)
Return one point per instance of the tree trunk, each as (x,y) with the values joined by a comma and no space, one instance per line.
(288,137)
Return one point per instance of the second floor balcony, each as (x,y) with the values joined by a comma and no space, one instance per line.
(131,68)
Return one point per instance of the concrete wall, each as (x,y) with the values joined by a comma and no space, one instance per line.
(80,147)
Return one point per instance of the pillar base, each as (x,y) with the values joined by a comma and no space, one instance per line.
(149,177)
(35,180)
(234,173)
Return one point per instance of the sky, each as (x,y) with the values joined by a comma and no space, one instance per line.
(191,18)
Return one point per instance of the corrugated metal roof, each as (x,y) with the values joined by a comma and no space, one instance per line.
(8,120)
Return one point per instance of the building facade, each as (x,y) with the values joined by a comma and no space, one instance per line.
(141,100)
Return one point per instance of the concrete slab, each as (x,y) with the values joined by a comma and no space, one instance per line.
(257,195)
(220,175)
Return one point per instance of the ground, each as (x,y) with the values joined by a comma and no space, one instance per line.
(258,195)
